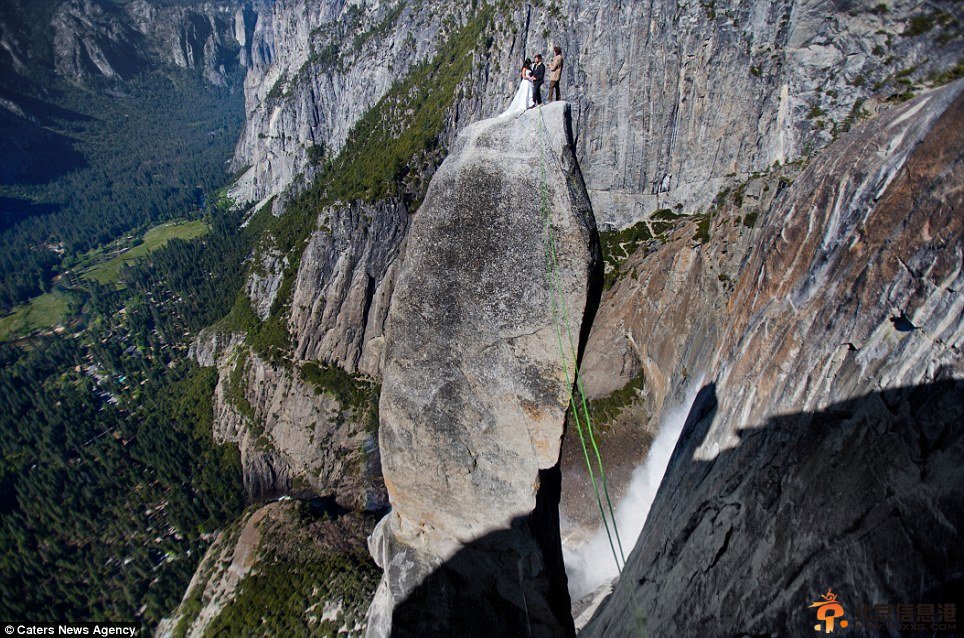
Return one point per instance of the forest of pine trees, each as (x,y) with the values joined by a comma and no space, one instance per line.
(109,476)
(144,154)
(110,482)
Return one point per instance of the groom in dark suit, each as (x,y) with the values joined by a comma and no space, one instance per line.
(538,75)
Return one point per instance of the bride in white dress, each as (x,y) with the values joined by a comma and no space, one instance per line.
(523,96)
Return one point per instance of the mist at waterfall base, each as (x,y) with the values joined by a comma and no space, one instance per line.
(591,565)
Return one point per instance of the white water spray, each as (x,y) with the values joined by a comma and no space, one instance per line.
(591,565)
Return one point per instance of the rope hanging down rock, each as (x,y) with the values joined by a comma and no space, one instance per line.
(560,314)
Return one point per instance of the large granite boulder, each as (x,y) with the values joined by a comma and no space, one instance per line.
(474,391)
(825,450)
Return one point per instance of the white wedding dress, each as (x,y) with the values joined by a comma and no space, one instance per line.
(521,101)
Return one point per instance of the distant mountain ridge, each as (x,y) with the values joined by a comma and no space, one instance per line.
(82,40)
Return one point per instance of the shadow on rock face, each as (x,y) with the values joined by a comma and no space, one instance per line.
(862,497)
(482,590)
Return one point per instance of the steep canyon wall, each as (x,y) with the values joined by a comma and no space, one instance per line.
(820,451)
(693,119)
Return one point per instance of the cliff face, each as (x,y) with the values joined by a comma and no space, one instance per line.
(345,282)
(92,38)
(681,98)
(84,40)
(673,101)
(820,450)
(299,567)
(652,335)
(316,69)
(474,391)
(298,431)
(338,284)
(679,109)
(295,434)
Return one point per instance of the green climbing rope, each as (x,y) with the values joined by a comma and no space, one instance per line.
(560,314)
(559,307)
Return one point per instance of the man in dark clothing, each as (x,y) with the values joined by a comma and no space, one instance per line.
(538,75)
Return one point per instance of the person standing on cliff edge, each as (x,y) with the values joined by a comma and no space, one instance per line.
(538,74)
(555,74)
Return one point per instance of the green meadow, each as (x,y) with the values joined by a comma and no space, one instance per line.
(45,311)
(52,308)
(109,271)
